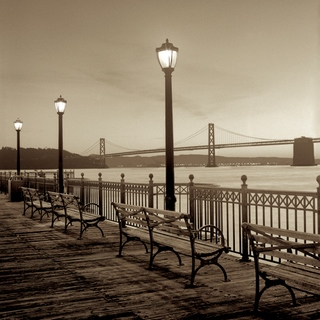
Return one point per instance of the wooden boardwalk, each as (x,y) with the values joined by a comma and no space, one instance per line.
(47,274)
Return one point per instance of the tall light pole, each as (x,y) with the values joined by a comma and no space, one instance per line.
(18,126)
(167,57)
(60,105)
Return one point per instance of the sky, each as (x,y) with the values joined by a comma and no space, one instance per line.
(248,66)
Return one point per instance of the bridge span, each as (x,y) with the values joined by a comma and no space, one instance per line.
(204,147)
(303,147)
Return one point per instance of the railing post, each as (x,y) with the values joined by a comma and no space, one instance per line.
(44,183)
(122,189)
(36,185)
(28,181)
(100,193)
(3,183)
(7,180)
(123,195)
(150,191)
(318,204)
(244,209)
(66,184)
(55,182)
(82,188)
(191,199)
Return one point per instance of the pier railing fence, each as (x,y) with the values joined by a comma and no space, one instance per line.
(227,208)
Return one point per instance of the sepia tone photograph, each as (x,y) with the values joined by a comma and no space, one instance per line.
(159,159)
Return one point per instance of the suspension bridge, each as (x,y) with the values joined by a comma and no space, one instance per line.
(217,138)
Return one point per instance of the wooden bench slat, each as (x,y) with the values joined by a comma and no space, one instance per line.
(280,242)
(295,276)
(133,231)
(172,229)
(285,232)
(293,257)
(164,213)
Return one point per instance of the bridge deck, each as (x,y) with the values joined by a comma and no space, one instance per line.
(46,274)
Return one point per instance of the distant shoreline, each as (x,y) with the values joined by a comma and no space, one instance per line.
(42,159)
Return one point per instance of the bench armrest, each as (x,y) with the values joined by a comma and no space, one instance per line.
(210,233)
(91,207)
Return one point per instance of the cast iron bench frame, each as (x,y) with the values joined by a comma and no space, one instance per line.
(36,201)
(70,208)
(170,231)
(298,255)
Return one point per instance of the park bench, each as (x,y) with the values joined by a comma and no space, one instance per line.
(71,210)
(164,230)
(296,257)
(36,201)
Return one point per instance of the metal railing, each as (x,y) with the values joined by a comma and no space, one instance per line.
(140,194)
(227,208)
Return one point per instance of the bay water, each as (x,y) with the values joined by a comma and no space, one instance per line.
(286,178)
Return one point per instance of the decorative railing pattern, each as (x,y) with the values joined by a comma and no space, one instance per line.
(226,208)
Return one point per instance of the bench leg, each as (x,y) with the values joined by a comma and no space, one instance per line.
(268,284)
(206,262)
(129,239)
(25,208)
(86,226)
(161,249)
(42,213)
(52,219)
(224,272)
(32,212)
(102,234)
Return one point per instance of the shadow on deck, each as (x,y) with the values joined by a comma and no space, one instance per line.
(47,274)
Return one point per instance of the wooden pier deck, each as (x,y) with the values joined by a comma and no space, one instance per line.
(47,274)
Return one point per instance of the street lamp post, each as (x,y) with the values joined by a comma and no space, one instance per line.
(167,57)
(18,126)
(60,105)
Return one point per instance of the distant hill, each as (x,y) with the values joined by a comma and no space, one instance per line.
(31,158)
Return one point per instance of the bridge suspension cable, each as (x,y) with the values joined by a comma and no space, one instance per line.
(121,147)
(87,151)
(236,135)
(97,144)
(204,129)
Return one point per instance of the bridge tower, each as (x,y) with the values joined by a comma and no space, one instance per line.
(303,152)
(211,147)
(102,153)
